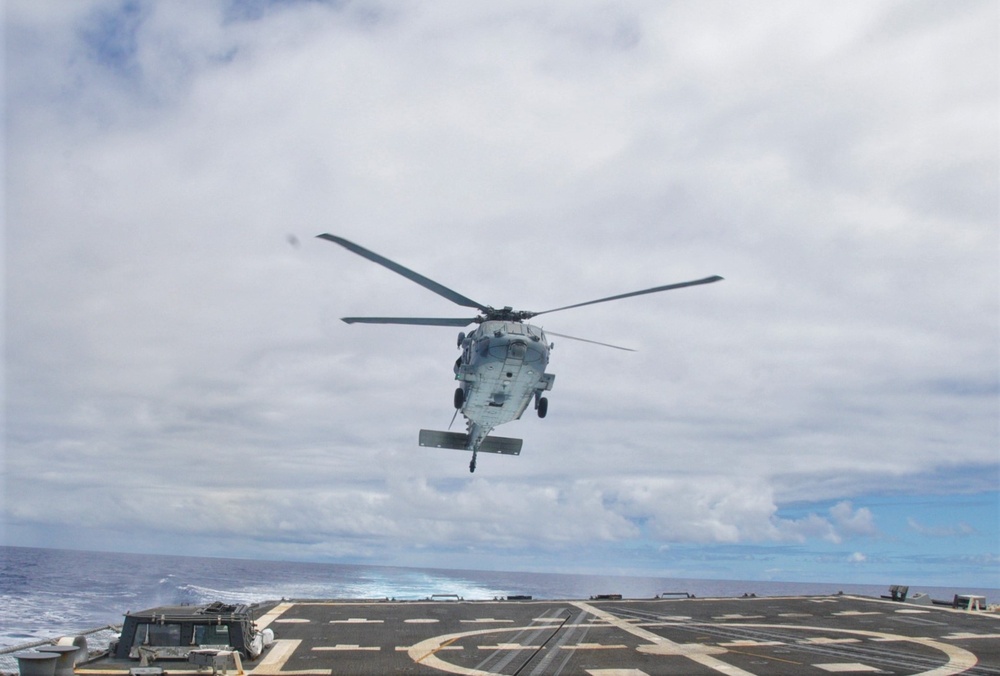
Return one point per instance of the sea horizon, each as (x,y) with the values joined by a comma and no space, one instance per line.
(54,592)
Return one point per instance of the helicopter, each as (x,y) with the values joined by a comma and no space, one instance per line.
(501,369)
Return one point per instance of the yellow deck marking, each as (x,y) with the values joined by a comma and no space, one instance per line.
(425,652)
(763,657)
(658,645)
(959,659)
(846,667)
(346,646)
(593,646)
(271,615)
(279,653)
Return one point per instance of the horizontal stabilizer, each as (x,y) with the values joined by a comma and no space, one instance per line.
(459,441)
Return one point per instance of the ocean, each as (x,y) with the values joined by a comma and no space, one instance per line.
(46,593)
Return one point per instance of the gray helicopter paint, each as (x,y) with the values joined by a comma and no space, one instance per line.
(502,365)
(501,370)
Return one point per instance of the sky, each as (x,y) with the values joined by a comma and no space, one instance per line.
(177,378)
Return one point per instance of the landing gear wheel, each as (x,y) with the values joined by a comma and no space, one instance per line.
(459,397)
(472,465)
(543,407)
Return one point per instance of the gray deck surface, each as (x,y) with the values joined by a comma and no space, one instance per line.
(808,635)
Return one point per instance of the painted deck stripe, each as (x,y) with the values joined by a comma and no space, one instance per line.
(959,659)
(963,635)
(856,613)
(696,652)
(281,650)
(485,620)
(271,615)
(357,620)
(847,667)
(748,643)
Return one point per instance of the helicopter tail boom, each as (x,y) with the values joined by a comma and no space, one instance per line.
(460,441)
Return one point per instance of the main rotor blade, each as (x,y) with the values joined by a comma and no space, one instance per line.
(584,340)
(439,289)
(707,280)
(412,321)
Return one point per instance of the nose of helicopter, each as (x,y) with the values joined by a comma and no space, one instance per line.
(517,349)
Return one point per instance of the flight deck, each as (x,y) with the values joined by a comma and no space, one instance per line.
(611,637)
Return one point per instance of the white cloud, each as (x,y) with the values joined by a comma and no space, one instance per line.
(853,522)
(173,362)
(959,529)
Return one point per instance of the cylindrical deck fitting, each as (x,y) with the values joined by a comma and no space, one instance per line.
(36,664)
(66,657)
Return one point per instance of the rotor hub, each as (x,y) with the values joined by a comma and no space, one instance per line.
(505,314)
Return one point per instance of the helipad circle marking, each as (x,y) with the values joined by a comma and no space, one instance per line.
(959,659)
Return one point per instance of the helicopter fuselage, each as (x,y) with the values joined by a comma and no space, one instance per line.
(502,365)
(500,371)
